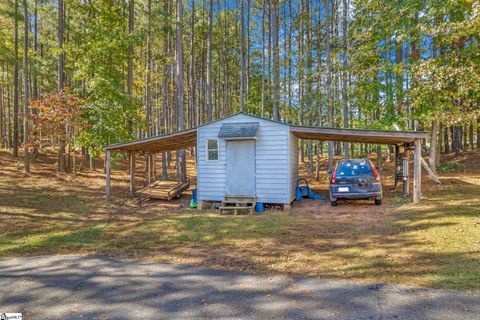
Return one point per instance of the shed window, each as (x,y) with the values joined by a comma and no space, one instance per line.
(212,149)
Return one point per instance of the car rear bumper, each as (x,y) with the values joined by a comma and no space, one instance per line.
(359,195)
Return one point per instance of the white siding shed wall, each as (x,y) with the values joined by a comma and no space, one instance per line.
(293,168)
(272,161)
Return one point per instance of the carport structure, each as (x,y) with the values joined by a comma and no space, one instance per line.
(404,142)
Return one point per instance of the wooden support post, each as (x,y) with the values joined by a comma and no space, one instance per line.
(132,172)
(200,204)
(406,183)
(397,168)
(148,168)
(107,176)
(417,172)
(153,165)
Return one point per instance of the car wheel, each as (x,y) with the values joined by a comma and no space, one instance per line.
(333,203)
(378,202)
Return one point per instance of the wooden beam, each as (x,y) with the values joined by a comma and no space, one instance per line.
(132,172)
(151,163)
(430,172)
(107,178)
(417,172)
(359,139)
(406,182)
(148,168)
(397,167)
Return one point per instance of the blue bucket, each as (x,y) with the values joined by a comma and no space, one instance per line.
(259,207)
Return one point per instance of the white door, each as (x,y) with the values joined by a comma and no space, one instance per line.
(240,168)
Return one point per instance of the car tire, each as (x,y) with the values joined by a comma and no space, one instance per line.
(333,203)
(378,202)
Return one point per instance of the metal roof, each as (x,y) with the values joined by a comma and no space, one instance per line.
(356,135)
(238,130)
(188,138)
(165,142)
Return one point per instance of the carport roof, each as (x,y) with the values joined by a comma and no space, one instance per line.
(188,138)
(161,143)
(356,135)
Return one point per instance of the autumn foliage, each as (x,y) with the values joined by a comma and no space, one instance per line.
(57,115)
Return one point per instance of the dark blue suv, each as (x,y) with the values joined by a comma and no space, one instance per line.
(355,179)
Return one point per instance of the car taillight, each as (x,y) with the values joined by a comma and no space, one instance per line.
(375,172)
(334,176)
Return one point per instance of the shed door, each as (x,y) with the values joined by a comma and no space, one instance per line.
(240,168)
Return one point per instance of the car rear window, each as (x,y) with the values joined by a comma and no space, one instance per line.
(354,168)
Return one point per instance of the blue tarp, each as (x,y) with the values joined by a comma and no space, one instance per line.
(311,194)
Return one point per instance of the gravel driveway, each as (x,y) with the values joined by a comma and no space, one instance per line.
(73,287)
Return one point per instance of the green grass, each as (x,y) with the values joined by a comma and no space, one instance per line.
(434,244)
(449,167)
(50,242)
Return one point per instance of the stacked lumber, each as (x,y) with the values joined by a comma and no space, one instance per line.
(163,190)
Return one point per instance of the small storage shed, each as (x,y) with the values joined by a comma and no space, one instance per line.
(249,156)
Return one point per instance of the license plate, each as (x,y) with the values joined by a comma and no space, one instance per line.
(343,189)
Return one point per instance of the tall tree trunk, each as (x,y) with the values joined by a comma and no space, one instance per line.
(15,84)
(307,21)
(131,28)
(35,92)
(289,54)
(165,91)
(26,156)
(192,66)
(148,78)
(344,74)
(225,61)
(9,133)
(457,140)
(453,138)
(478,132)
(379,157)
(263,59)
(180,89)
(209,62)
(60,80)
(247,53)
(242,58)
(446,143)
(276,64)
(60,47)
(470,136)
(330,106)
(310,158)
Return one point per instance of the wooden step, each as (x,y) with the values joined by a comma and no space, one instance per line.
(240,199)
(237,203)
